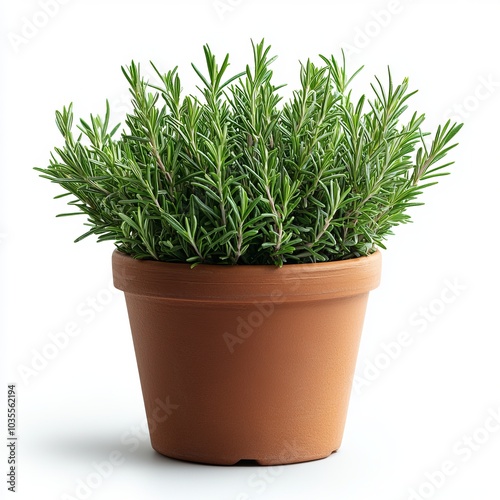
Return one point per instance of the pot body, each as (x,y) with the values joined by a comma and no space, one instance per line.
(246,362)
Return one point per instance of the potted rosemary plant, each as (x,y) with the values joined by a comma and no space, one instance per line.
(246,233)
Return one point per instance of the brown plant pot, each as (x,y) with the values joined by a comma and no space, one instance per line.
(246,362)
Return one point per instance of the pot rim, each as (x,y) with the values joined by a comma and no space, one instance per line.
(246,283)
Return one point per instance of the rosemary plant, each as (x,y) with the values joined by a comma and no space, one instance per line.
(233,176)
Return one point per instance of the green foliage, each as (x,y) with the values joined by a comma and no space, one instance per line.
(232,176)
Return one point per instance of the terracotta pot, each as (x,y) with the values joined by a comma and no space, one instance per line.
(246,362)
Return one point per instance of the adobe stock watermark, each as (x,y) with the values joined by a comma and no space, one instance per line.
(260,311)
(419,322)
(130,440)
(224,7)
(364,34)
(246,326)
(462,451)
(484,89)
(32,25)
(85,313)
(258,482)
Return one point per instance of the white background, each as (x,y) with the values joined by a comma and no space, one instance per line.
(409,414)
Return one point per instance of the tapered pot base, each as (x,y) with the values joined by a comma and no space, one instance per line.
(267,461)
